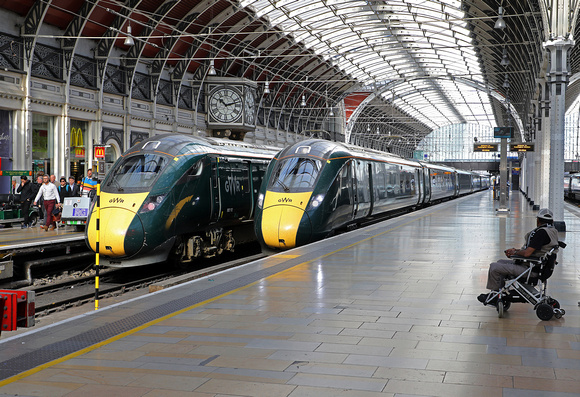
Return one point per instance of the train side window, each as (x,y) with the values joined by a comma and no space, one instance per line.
(195,170)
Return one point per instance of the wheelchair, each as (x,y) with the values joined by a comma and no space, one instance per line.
(530,287)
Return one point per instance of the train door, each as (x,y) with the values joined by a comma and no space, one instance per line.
(427,185)
(362,189)
(215,190)
(234,189)
(371,188)
(354,188)
(420,185)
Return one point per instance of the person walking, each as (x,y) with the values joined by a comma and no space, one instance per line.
(50,195)
(26,191)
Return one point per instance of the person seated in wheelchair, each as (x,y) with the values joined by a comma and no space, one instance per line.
(537,243)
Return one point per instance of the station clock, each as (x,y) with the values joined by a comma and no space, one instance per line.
(231,104)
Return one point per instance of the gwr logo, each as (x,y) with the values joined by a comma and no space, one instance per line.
(116,200)
(285,200)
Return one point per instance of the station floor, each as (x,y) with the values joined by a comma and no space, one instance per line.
(388,310)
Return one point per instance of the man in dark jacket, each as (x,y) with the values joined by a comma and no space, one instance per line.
(27,193)
(75,189)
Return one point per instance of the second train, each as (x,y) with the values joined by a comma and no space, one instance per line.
(315,187)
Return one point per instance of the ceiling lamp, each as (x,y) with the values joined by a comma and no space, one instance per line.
(504,59)
(303,103)
(331,114)
(129,39)
(266,87)
(211,71)
(368,128)
(378,130)
(500,23)
(506,82)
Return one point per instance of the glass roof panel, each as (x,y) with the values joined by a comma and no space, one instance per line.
(415,41)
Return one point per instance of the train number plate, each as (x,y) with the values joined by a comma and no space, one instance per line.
(81,212)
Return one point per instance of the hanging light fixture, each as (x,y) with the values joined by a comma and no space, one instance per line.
(506,82)
(499,23)
(368,128)
(211,71)
(378,130)
(331,114)
(266,87)
(504,59)
(303,103)
(129,39)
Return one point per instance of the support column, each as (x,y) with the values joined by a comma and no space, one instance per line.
(543,143)
(503,175)
(558,76)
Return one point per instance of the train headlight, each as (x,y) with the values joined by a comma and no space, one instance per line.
(260,200)
(151,203)
(316,201)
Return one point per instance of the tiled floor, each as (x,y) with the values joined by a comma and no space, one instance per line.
(390,310)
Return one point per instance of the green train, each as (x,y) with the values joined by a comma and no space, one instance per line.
(179,197)
(316,187)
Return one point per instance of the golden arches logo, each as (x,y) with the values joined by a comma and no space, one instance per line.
(76,137)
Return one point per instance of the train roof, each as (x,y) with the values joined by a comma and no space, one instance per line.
(323,149)
(178,144)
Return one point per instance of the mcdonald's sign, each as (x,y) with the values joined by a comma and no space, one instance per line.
(76,137)
(80,152)
(99,152)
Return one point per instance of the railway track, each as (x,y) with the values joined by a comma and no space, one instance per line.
(69,293)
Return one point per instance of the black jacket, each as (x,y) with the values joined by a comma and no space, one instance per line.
(63,192)
(26,191)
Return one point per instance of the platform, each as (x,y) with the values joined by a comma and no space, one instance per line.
(17,238)
(386,310)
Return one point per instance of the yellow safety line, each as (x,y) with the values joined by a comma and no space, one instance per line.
(153,322)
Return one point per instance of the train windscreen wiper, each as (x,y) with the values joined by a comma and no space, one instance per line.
(286,188)
(117,185)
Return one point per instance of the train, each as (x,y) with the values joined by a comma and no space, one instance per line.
(177,197)
(572,186)
(314,188)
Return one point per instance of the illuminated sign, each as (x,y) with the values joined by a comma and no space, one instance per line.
(521,147)
(485,147)
(503,132)
(99,152)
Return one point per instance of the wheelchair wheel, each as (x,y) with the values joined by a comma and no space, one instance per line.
(544,311)
(500,309)
(506,305)
(554,303)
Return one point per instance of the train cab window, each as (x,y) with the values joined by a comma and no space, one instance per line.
(136,172)
(295,174)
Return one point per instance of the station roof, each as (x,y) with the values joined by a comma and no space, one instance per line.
(424,64)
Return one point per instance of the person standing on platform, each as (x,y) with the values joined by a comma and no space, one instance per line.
(36,188)
(50,195)
(538,242)
(26,191)
(64,189)
(15,186)
(75,190)
(88,184)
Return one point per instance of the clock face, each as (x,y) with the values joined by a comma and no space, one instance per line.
(250,108)
(226,105)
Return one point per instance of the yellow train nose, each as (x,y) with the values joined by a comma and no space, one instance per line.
(121,233)
(281,225)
